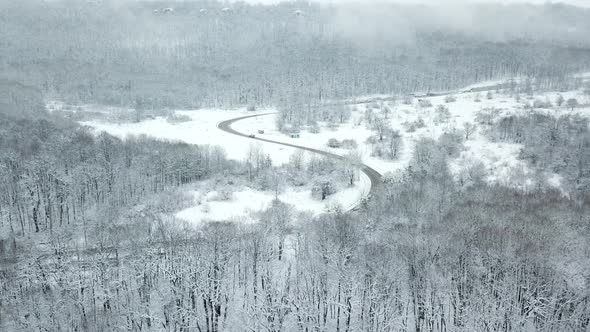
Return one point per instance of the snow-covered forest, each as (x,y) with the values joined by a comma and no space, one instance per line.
(295,166)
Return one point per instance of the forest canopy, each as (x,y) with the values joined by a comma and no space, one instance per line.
(134,53)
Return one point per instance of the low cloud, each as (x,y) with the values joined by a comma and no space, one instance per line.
(579,3)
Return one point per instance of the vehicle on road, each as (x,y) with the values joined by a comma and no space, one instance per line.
(252,136)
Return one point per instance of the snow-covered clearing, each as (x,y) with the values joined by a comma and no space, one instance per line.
(202,129)
(500,159)
(243,204)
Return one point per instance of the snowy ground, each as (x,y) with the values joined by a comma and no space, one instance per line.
(241,206)
(202,129)
(500,159)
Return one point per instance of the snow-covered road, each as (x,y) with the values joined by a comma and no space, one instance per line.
(371,174)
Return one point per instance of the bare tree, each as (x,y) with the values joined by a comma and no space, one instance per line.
(381,126)
(469,129)
(559,100)
(572,103)
(351,166)
(394,143)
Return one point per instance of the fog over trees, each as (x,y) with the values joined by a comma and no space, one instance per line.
(89,239)
(124,53)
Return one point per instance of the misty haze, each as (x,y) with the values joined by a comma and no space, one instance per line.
(329,166)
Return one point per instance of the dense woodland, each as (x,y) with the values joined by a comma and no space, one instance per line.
(118,52)
(87,237)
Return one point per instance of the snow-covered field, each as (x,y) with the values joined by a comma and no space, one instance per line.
(201,129)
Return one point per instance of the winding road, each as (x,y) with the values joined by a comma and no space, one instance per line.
(372,174)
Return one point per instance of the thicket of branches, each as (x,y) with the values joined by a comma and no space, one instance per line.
(559,145)
(426,254)
(53,172)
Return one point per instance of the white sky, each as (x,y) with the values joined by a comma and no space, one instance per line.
(581,3)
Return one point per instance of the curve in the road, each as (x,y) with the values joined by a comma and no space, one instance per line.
(372,174)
